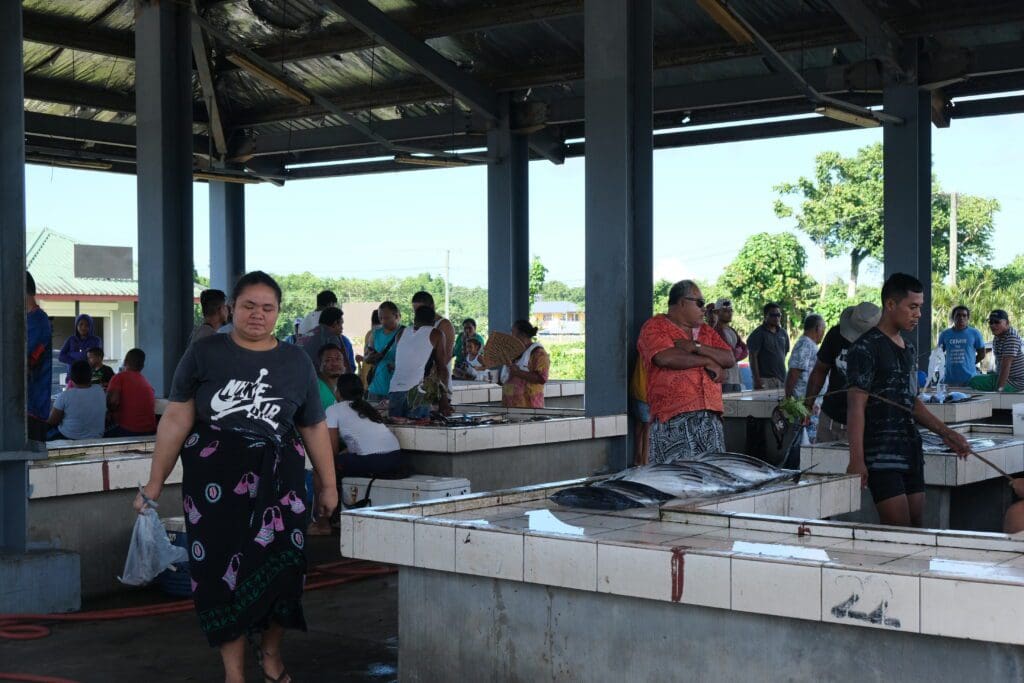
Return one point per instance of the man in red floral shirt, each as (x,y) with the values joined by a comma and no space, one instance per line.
(685,361)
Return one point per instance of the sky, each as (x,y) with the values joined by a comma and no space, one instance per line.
(707,201)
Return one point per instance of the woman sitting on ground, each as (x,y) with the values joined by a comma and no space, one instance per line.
(523,381)
(371,450)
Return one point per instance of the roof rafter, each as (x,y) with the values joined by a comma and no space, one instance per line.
(419,55)
(425,26)
(881,39)
(75,35)
(206,83)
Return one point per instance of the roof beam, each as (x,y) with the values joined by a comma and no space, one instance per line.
(208,87)
(419,55)
(437,126)
(881,39)
(781,64)
(73,129)
(75,35)
(74,94)
(549,145)
(424,26)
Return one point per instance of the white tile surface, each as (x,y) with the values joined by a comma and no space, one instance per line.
(43,481)
(805,502)
(967,609)
(582,428)
(775,588)
(835,498)
(473,439)
(434,546)
(557,430)
(621,425)
(560,562)
(489,553)
(776,503)
(128,473)
(505,436)
(531,433)
(79,478)
(382,540)
(345,535)
(429,439)
(875,600)
(176,473)
(707,580)
(406,437)
(634,572)
(604,426)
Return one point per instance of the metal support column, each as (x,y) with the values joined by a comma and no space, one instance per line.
(908,186)
(163,96)
(619,174)
(508,224)
(227,234)
(13,467)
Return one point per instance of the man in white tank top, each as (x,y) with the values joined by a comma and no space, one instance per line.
(421,369)
(443,324)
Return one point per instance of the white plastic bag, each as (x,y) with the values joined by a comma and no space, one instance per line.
(936,368)
(150,551)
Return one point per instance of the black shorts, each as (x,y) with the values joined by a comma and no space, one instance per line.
(885,484)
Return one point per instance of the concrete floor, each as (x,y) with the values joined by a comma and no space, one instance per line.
(353,636)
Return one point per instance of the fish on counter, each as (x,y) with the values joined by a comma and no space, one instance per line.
(648,485)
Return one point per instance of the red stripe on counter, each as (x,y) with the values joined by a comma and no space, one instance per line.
(678,567)
(106,475)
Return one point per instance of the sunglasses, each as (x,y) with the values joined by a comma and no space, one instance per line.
(993,321)
(774,315)
(700,302)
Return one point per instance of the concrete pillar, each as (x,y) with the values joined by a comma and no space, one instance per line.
(908,187)
(163,98)
(619,169)
(227,234)
(13,468)
(508,225)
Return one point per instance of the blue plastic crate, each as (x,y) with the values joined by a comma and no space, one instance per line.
(176,583)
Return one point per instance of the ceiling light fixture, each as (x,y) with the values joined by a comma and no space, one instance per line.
(847,116)
(224,178)
(436,162)
(73,163)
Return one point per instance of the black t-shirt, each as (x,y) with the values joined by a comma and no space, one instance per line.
(258,391)
(102,375)
(878,366)
(832,353)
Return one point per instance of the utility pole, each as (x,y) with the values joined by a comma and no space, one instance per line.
(447,277)
(952,239)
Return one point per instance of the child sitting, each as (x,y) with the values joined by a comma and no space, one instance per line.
(471,367)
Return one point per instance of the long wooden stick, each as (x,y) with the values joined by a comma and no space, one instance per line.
(911,412)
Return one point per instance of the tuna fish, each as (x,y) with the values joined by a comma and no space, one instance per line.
(594,498)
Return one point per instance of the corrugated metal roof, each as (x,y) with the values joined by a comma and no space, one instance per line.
(532,48)
(50,257)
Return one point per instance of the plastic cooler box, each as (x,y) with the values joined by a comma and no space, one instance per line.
(418,487)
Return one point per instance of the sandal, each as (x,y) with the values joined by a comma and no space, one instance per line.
(284,676)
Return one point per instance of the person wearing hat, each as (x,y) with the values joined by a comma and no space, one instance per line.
(883,407)
(831,364)
(1009,368)
(964,347)
(723,308)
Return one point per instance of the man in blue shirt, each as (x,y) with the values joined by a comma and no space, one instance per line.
(964,348)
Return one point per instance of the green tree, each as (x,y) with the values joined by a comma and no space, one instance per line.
(841,210)
(538,272)
(981,290)
(770,267)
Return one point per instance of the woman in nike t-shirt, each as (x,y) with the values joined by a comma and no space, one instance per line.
(244,412)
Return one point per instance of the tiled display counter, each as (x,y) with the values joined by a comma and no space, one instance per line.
(960,493)
(83,503)
(1002,403)
(747,414)
(558,393)
(564,445)
(531,591)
